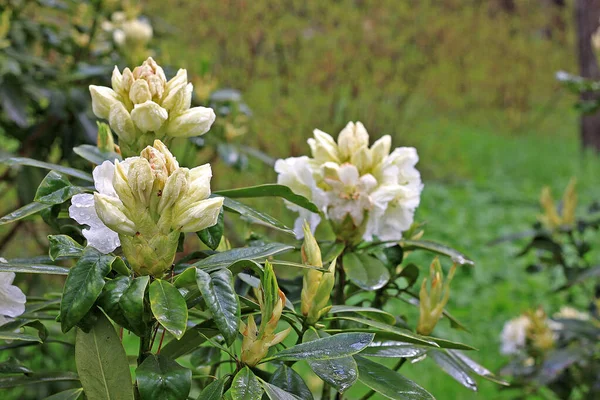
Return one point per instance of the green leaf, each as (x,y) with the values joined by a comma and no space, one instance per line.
(258,253)
(102,363)
(190,341)
(393,349)
(341,373)
(70,394)
(332,347)
(331,251)
(270,190)
(222,301)
(369,312)
(275,393)
(56,189)
(585,275)
(434,247)
(94,155)
(448,344)
(14,381)
(205,356)
(111,295)
(13,330)
(169,307)
(13,366)
(245,386)
(254,216)
(388,383)
(366,272)
(19,336)
(403,334)
(23,212)
(132,307)
(289,380)
(83,286)
(475,367)
(159,377)
(64,246)
(40,164)
(212,235)
(214,391)
(455,369)
(33,269)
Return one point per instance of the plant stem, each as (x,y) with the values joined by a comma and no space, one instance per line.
(396,368)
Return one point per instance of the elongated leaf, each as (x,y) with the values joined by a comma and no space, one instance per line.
(33,269)
(94,155)
(365,271)
(83,286)
(453,368)
(111,295)
(434,247)
(448,344)
(258,253)
(222,301)
(19,336)
(332,347)
(131,304)
(13,330)
(13,366)
(584,276)
(393,349)
(245,386)
(275,393)
(331,251)
(40,164)
(254,216)
(190,341)
(212,235)
(102,363)
(340,373)
(270,190)
(56,189)
(289,380)
(214,391)
(369,312)
(388,383)
(64,246)
(475,367)
(14,381)
(400,333)
(169,307)
(23,212)
(71,394)
(159,377)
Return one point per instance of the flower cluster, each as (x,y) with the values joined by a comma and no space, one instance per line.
(128,32)
(366,193)
(143,204)
(142,106)
(531,333)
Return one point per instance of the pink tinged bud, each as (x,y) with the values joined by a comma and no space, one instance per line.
(193,122)
(170,161)
(149,116)
(140,92)
(109,210)
(102,100)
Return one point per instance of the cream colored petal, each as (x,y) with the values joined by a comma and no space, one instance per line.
(200,215)
(193,122)
(102,100)
(121,123)
(149,116)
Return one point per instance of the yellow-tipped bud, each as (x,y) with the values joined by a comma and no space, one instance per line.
(432,302)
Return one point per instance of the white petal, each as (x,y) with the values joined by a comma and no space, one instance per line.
(98,235)
(149,116)
(12,299)
(103,178)
(348,175)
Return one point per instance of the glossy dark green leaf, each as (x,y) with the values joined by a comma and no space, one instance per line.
(332,347)
(290,381)
(214,391)
(13,366)
(388,383)
(473,366)
(254,216)
(33,269)
(40,164)
(70,394)
(132,307)
(83,286)
(369,312)
(275,393)
(20,380)
(245,386)
(111,295)
(455,369)
(270,190)
(205,356)
(331,251)
(23,212)
(258,253)
(434,247)
(222,301)
(159,377)
(340,373)
(64,246)
(55,189)
(190,341)
(169,307)
(212,235)
(393,349)
(449,344)
(94,155)
(364,271)
(102,363)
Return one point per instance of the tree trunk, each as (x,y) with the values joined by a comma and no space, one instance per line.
(587,13)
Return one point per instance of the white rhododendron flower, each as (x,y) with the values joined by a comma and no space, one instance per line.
(356,187)
(142,204)
(142,105)
(514,335)
(12,299)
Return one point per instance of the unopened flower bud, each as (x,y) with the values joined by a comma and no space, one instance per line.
(141,180)
(200,215)
(432,302)
(121,122)
(323,147)
(352,139)
(311,253)
(109,210)
(149,116)
(175,187)
(140,92)
(105,141)
(102,100)
(193,122)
